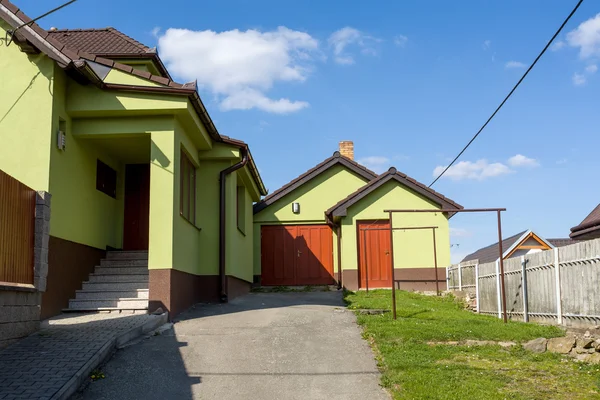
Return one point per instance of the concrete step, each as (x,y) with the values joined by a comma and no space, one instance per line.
(98,278)
(121,270)
(123,304)
(98,286)
(111,294)
(127,255)
(123,263)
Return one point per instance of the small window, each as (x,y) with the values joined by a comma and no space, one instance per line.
(187,194)
(106,179)
(241,209)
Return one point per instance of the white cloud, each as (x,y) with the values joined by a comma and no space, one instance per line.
(521,161)
(579,79)
(238,67)
(586,37)
(401,40)
(562,161)
(515,64)
(459,232)
(478,170)
(556,46)
(347,37)
(378,164)
(155,31)
(486,44)
(591,69)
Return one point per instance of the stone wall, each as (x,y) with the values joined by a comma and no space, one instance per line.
(20,304)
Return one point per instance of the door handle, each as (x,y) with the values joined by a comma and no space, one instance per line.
(387,252)
(299,252)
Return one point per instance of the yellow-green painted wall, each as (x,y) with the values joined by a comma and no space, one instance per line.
(81,213)
(412,249)
(123,78)
(25,114)
(239,244)
(315,197)
(187,254)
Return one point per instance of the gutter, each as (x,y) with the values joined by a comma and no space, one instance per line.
(223,295)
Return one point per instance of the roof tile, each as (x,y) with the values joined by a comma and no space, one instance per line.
(99,41)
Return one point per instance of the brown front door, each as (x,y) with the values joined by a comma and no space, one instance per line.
(296,255)
(374,254)
(137,207)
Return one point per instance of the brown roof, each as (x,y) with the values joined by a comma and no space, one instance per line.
(335,159)
(252,165)
(490,253)
(340,209)
(99,41)
(589,227)
(107,42)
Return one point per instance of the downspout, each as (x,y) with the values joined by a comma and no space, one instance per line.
(222,221)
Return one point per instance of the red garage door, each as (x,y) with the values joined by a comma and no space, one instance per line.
(297,255)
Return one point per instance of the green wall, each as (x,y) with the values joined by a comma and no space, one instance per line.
(412,249)
(315,197)
(25,114)
(239,244)
(81,213)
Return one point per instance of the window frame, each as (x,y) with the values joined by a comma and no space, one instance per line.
(187,180)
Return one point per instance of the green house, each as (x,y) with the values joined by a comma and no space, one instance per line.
(151,206)
(328,225)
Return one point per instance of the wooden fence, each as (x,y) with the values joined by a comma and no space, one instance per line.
(17,228)
(559,286)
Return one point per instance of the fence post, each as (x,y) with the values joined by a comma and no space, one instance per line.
(477,285)
(498,288)
(558,292)
(525,299)
(448,277)
(459,276)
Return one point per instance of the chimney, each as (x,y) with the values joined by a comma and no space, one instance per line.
(347,149)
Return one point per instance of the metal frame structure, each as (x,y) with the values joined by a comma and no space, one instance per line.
(443,210)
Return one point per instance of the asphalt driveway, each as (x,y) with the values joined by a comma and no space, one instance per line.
(260,346)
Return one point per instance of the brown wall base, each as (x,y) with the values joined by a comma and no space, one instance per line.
(419,279)
(176,291)
(237,287)
(69,264)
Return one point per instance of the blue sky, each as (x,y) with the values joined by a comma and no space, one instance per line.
(408,81)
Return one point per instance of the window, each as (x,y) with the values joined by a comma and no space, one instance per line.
(241,209)
(106,179)
(187,190)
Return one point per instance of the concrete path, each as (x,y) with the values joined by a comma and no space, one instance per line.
(55,361)
(261,346)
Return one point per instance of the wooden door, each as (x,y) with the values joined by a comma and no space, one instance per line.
(314,261)
(374,254)
(137,207)
(296,255)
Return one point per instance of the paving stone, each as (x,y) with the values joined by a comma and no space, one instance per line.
(39,365)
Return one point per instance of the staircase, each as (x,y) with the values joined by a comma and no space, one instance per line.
(119,283)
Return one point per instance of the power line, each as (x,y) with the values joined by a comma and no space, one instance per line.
(509,94)
(12,33)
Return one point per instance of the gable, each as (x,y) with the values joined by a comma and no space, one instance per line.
(315,196)
(391,195)
(122,78)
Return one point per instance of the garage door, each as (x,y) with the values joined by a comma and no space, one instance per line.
(296,255)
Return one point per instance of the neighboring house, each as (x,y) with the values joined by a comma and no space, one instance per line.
(522,243)
(133,162)
(589,228)
(329,225)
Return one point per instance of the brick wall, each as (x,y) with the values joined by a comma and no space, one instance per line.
(347,149)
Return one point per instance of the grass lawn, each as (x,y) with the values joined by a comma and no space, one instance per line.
(414,369)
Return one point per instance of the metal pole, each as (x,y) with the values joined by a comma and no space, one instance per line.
(501,267)
(437,284)
(392,268)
